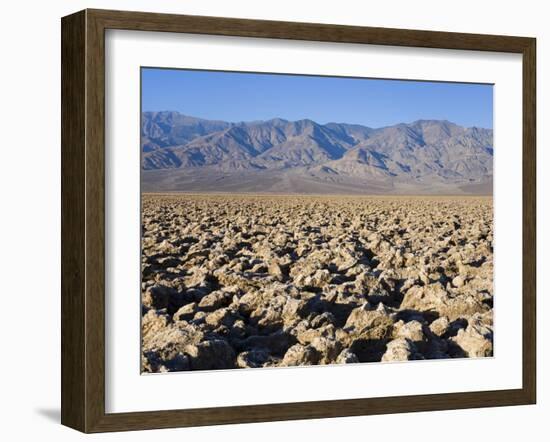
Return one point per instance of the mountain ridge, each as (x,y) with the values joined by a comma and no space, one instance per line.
(177,149)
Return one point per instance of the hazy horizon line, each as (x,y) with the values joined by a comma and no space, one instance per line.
(314,121)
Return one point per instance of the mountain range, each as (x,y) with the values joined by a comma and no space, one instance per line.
(184,153)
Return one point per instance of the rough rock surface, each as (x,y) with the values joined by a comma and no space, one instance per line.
(256,281)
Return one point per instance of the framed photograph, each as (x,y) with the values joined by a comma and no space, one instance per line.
(269,220)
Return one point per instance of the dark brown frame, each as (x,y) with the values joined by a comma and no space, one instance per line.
(83,215)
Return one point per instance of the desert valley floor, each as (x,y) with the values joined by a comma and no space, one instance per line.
(247,281)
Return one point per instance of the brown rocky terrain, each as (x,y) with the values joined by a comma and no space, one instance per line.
(242,281)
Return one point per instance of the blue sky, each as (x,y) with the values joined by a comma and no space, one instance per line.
(237,97)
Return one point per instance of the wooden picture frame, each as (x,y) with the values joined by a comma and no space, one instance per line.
(83,220)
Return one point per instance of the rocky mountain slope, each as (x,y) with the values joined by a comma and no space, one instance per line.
(426,156)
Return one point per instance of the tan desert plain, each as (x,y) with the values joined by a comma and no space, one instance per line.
(308,270)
